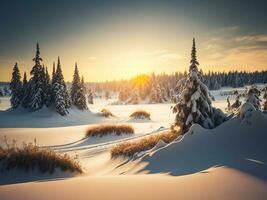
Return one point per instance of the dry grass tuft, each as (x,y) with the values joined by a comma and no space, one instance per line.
(128,149)
(140,114)
(106,129)
(30,156)
(106,113)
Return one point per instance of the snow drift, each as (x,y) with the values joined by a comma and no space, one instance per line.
(234,144)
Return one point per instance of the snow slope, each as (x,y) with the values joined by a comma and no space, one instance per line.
(236,144)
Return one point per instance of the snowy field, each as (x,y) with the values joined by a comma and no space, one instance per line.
(228,162)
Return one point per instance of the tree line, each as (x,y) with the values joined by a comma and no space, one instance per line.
(162,87)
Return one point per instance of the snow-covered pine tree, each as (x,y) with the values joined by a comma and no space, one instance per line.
(81,98)
(36,93)
(60,93)
(83,85)
(78,97)
(16,88)
(48,89)
(25,81)
(25,87)
(76,83)
(194,102)
(253,97)
(53,73)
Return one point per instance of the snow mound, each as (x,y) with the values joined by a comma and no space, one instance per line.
(245,110)
(46,117)
(232,144)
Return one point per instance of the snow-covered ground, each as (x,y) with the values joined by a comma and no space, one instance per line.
(228,162)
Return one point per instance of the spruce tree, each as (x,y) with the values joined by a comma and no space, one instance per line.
(78,90)
(53,73)
(25,81)
(25,89)
(36,83)
(76,83)
(60,93)
(81,98)
(194,101)
(48,89)
(16,88)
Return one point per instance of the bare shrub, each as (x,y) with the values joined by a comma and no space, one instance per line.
(106,113)
(140,114)
(30,156)
(106,129)
(148,142)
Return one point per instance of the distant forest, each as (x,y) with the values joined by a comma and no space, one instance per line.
(165,85)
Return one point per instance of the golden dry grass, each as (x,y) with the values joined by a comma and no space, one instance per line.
(106,129)
(106,113)
(140,114)
(128,149)
(30,157)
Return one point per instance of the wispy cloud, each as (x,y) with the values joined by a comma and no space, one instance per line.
(236,50)
(252,38)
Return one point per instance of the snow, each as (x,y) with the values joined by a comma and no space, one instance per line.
(228,162)
(232,145)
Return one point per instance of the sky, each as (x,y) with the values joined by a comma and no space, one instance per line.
(113,40)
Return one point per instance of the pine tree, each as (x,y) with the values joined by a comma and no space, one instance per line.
(16,88)
(25,90)
(25,81)
(81,98)
(194,101)
(53,73)
(36,93)
(60,93)
(47,89)
(78,90)
(76,83)
(194,62)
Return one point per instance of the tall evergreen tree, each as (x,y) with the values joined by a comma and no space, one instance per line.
(60,93)
(25,81)
(36,93)
(48,89)
(194,101)
(16,88)
(76,83)
(78,90)
(194,62)
(25,89)
(53,73)
(81,104)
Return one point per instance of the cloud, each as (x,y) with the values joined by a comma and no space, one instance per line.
(236,50)
(252,38)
